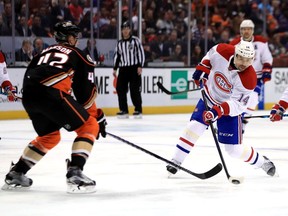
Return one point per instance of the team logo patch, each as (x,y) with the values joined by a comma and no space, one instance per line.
(222,82)
(89,58)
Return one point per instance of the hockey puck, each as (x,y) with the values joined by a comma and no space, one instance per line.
(235,181)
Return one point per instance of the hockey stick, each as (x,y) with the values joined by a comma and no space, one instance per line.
(172,93)
(262,116)
(234,180)
(17,97)
(202,176)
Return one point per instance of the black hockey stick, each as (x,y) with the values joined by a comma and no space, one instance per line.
(202,176)
(160,85)
(262,116)
(234,180)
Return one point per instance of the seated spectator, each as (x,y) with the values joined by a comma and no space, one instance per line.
(87,50)
(196,56)
(37,28)
(4,30)
(22,26)
(111,30)
(157,45)
(60,12)
(38,45)
(76,11)
(24,54)
(177,55)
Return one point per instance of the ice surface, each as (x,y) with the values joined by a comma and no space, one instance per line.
(131,182)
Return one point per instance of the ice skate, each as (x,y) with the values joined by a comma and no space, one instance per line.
(172,170)
(122,115)
(269,167)
(16,180)
(137,115)
(77,182)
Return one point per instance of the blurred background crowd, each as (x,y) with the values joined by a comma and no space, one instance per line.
(164,24)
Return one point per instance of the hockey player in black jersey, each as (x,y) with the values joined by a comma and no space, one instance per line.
(49,81)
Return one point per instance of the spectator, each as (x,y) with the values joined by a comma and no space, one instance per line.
(22,26)
(111,30)
(4,30)
(39,46)
(196,56)
(37,28)
(170,45)
(210,40)
(87,49)
(165,22)
(60,12)
(158,45)
(76,11)
(24,54)
(7,14)
(177,55)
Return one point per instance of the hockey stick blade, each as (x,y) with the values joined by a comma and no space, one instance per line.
(261,116)
(215,170)
(233,180)
(160,86)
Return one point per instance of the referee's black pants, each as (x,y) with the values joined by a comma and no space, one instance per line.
(129,78)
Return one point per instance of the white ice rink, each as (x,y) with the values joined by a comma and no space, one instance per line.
(131,182)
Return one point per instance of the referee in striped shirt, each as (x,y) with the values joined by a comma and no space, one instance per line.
(129,58)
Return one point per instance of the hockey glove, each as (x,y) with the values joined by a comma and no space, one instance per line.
(277,112)
(213,114)
(200,75)
(266,76)
(266,72)
(101,119)
(10,91)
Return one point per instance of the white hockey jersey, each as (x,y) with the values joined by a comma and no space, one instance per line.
(3,69)
(284,98)
(263,57)
(226,85)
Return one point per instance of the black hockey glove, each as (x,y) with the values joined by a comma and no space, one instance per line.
(101,119)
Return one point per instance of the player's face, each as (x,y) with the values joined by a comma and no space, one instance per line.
(246,33)
(241,62)
(72,40)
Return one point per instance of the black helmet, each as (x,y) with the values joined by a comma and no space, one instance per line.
(125,24)
(63,29)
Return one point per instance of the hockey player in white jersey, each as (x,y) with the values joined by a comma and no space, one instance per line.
(228,79)
(5,82)
(279,108)
(262,63)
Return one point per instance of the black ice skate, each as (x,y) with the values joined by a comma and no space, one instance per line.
(77,182)
(269,167)
(122,115)
(16,180)
(172,169)
(137,115)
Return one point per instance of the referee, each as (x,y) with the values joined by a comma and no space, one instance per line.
(129,58)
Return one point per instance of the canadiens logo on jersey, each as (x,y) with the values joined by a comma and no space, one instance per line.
(222,82)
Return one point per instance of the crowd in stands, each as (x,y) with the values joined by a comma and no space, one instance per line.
(165,24)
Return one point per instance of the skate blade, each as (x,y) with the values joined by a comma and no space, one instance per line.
(122,116)
(138,117)
(7,187)
(276,175)
(75,189)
